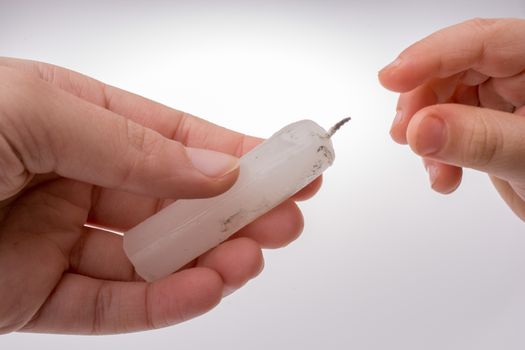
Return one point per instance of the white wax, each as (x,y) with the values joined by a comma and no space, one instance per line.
(269,174)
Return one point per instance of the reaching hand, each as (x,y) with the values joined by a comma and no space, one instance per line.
(462,104)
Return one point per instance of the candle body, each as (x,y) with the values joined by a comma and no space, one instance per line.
(269,174)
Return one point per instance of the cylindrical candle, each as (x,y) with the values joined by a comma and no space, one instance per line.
(269,174)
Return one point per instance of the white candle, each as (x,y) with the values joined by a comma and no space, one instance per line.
(269,174)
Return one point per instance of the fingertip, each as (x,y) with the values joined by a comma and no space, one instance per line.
(216,186)
(163,168)
(398,75)
(236,261)
(388,76)
(443,178)
(197,173)
(426,132)
(398,128)
(412,70)
(277,228)
(398,135)
(218,171)
(212,163)
(193,292)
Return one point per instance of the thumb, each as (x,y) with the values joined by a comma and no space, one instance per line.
(472,137)
(45,130)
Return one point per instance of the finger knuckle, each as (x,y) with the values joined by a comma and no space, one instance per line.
(135,135)
(102,309)
(141,139)
(483,143)
(481,24)
(155,316)
(21,125)
(140,145)
(12,171)
(17,87)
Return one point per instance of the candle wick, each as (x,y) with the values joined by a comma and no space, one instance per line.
(337,126)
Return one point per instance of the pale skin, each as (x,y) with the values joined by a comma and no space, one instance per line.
(462,104)
(74,151)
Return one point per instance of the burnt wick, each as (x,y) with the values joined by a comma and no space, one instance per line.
(337,126)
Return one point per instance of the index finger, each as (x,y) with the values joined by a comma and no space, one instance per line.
(173,124)
(494,47)
(169,122)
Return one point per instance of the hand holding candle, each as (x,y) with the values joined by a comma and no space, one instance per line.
(269,174)
(117,164)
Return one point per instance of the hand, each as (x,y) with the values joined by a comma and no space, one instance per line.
(75,151)
(462,104)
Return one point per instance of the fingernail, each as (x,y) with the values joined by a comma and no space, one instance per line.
(394,131)
(431,135)
(212,163)
(395,63)
(432,171)
(398,118)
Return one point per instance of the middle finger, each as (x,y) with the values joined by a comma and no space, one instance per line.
(509,93)
(430,93)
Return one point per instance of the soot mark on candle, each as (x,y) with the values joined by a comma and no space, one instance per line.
(319,163)
(326,153)
(315,168)
(229,221)
(239,215)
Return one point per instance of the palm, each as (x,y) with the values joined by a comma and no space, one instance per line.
(40,236)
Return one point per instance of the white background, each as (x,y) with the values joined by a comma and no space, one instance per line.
(383,263)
